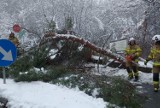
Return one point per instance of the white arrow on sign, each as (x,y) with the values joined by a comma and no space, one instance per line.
(7,55)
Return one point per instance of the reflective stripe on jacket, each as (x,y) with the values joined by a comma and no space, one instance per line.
(155,55)
(135,49)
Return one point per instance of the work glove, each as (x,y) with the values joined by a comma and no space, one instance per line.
(145,62)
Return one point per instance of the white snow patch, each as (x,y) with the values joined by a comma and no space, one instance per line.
(81,78)
(149,64)
(44,95)
(40,70)
(80,48)
(22,73)
(52,53)
(144,77)
(66,78)
(96,57)
(95,92)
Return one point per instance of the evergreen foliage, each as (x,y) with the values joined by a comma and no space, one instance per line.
(34,58)
(114,90)
(68,23)
(39,56)
(34,75)
(20,65)
(51,26)
(71,56)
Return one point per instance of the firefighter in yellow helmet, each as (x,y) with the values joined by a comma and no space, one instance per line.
(132,52)
(13,39)
(155,56)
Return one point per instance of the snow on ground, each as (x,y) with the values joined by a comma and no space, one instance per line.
(149,64)
(146,78)
(45,95)
(103,70)
(143,77)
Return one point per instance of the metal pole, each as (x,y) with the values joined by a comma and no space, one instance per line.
(23,39)
(4,76)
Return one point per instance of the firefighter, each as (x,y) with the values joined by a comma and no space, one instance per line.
(132,52)
(13,39)
(155,56)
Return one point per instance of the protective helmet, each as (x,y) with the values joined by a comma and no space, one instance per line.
(131,40)
(11,34)
(156,38)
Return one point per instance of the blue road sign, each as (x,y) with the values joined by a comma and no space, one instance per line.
(8,52)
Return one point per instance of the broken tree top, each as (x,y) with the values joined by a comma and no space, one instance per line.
(85,43)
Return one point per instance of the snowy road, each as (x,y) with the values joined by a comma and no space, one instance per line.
(153,98)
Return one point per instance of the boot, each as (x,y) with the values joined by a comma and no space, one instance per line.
(156,86)
(155,89)
(136,78)
(130,76)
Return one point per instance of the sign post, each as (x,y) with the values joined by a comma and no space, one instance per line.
(21,34)
(4,76)
(8,54)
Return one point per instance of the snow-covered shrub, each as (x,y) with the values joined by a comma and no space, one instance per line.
(122,93)
(39,56)
(35,74)
(112,89)
(54,73)
(20,65)
(33,58)
(69,56)
(29,76)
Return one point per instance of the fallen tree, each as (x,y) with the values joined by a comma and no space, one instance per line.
(87,44)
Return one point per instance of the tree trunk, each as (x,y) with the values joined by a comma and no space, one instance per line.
(86,44)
